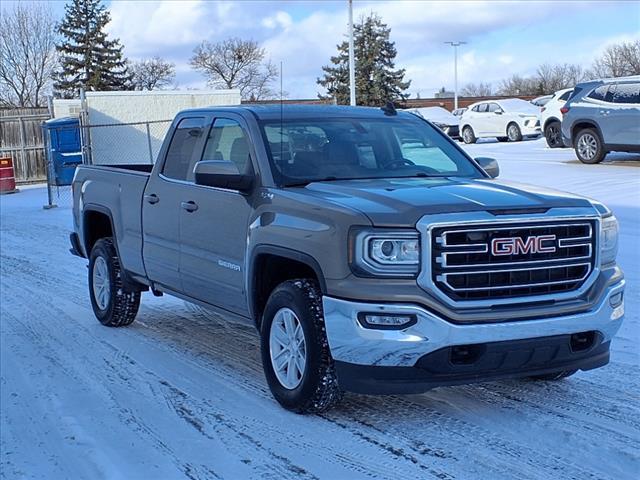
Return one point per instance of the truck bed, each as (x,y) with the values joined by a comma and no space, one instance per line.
(115,190)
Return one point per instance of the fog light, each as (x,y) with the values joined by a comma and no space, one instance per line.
(615,299)
(386,321)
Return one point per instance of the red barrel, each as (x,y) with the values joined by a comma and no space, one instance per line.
(7,176)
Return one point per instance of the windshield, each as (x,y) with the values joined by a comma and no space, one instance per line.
(307,150)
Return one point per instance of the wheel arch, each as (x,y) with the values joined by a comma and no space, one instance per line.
(271,265)
(582,124)
(550,120)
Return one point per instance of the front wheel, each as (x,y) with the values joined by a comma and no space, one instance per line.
(112,305)
(295,352)
(513,132)
(588,146)
(553,135)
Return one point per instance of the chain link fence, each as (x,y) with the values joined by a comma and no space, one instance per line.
(107,144)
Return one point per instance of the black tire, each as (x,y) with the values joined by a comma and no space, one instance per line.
(514,134)
(550,377)
(595,153)
(553,135)
(122,306)
(503,139)
(468,136)
(318,389)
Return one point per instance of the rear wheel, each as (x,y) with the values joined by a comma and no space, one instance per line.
(112,305)
(553,135)
(513,132)
(467,135)
(295,353)
(554,376)
(588,146)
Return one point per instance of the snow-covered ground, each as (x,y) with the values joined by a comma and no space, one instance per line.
(181,394)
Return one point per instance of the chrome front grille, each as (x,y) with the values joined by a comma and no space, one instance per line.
(501,260)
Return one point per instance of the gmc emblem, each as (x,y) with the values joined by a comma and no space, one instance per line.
(519,246)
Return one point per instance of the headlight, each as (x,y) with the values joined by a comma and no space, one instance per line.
(608,240)
(386,253)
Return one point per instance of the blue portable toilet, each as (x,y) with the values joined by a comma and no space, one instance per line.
(62,137)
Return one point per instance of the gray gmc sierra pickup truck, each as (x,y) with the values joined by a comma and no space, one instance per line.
(371,252)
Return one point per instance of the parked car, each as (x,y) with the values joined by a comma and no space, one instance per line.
(459,111)
(370,252)
(441,118)
(510,119)
(541,101)
(603,116)
(551,118)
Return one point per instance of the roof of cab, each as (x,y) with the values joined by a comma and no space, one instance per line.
(273,111)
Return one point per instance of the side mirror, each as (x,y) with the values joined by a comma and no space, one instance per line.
(489,165)
(498,112)
(221,174)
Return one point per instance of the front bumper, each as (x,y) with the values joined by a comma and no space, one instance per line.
(353,345)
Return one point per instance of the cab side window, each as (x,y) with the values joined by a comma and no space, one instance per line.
(228,142)
(185,146)
(483,108)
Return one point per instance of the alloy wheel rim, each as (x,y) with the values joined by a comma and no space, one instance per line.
(467,134)
(287,348)
(101,283)
(513,132)
(587,146)
(554,136)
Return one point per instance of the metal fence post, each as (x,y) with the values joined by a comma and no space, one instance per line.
(47,163)
(149,144)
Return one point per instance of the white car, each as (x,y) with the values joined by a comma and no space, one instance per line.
(541,101)
(510,119)
(551,118)
(441,118)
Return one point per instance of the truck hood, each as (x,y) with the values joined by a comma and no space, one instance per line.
(403,201)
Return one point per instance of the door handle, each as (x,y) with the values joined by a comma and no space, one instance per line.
(152,199)
(189,206)
(604,112)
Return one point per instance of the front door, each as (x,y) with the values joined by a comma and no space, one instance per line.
(161,206)
(214,225)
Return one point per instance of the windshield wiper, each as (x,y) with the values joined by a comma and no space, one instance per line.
(304,183)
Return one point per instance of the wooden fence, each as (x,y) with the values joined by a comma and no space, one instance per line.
(21,139)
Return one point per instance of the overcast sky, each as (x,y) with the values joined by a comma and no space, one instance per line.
(503,37)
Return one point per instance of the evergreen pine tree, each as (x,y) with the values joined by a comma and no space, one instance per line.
(87,57)
(376,80)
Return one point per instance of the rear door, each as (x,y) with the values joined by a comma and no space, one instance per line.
(214,223)
(495,120)
(161,206)
(624,114)
(481,122)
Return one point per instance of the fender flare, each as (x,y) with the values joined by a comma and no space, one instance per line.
(283,252)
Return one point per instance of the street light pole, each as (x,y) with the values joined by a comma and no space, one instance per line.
(455,46)
(352,73)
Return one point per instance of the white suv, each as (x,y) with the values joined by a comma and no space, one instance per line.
(510,119)
(551,118)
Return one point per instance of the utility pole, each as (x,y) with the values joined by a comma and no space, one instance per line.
(455,46)
(352,68)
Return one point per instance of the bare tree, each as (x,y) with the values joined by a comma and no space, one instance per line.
(152,73)
(551,78)
(618,61)
(236,63)
(476,90)
(517,85)
(27,54)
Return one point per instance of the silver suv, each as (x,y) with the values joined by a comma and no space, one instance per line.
(602,116)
